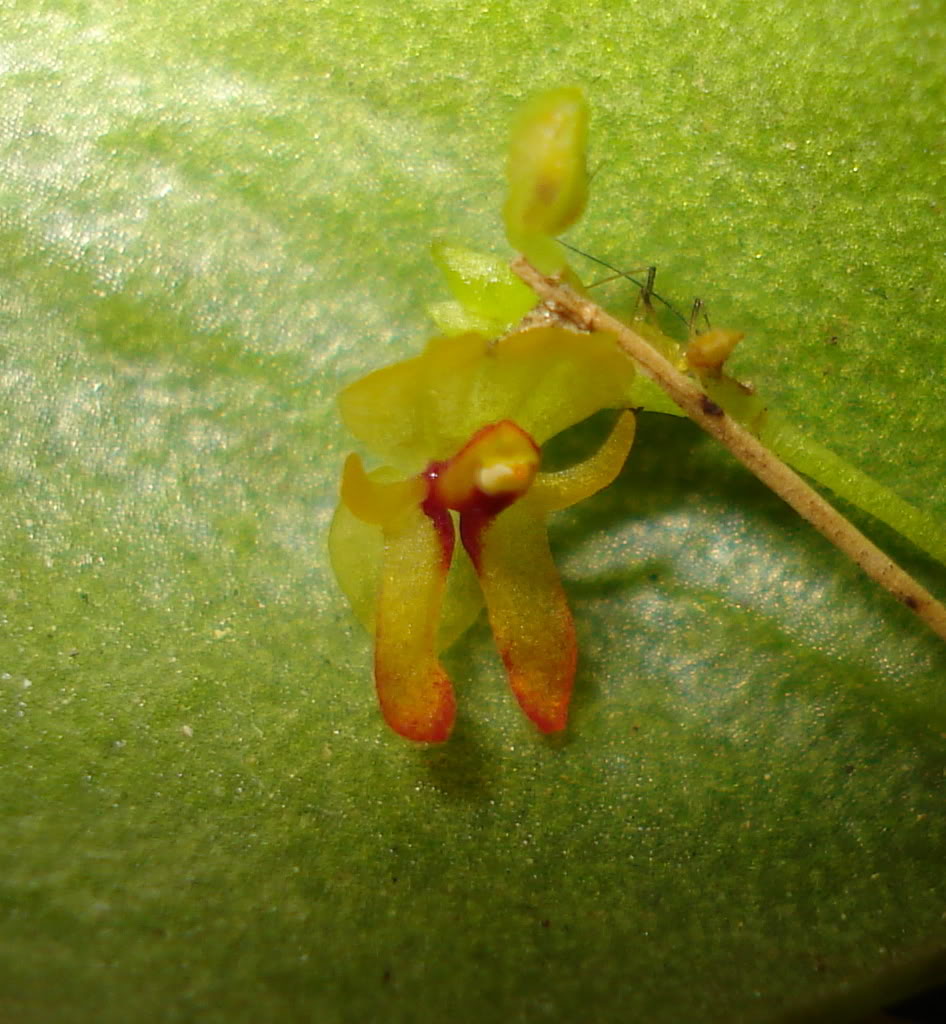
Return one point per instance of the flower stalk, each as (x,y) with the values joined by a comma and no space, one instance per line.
(763,463)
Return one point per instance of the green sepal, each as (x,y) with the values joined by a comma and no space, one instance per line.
(545,379)
(484,286)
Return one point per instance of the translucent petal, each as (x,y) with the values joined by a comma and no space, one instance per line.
(528,613)
(545,379)
(356,549)
(559,490)
(414,691)
(452,317)
(484,285)
(384,409)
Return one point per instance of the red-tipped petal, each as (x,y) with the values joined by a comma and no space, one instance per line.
(414,691)
(527,609)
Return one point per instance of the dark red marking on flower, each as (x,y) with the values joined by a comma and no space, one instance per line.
(440,517)
(472,525)
(477,509)
(475,520)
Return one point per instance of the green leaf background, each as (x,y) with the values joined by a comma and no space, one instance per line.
(215,214)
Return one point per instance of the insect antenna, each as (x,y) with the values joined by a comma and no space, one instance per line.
(646,287)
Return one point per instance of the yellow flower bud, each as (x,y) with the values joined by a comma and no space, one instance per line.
(548,182)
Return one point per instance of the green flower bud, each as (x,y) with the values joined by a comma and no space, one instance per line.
(548,181)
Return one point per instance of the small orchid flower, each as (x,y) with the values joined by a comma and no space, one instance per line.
(461,427)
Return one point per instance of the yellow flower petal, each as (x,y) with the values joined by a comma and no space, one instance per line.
(544,379)
(375,502)
(414,691)
(385,411)
(559,490)
(528,613)
(356,549)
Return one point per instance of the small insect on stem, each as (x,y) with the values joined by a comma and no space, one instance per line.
(647,288)
(774,473)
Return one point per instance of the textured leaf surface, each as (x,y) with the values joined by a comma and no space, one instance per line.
(215,215)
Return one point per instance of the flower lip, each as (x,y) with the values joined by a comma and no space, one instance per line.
(495,467)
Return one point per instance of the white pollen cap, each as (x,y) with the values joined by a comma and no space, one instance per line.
(503,477)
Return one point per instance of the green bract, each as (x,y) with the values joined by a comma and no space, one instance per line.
(488,297)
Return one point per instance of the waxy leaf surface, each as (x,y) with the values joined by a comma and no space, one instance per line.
(215,216)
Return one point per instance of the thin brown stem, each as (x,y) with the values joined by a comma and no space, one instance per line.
(774,473)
